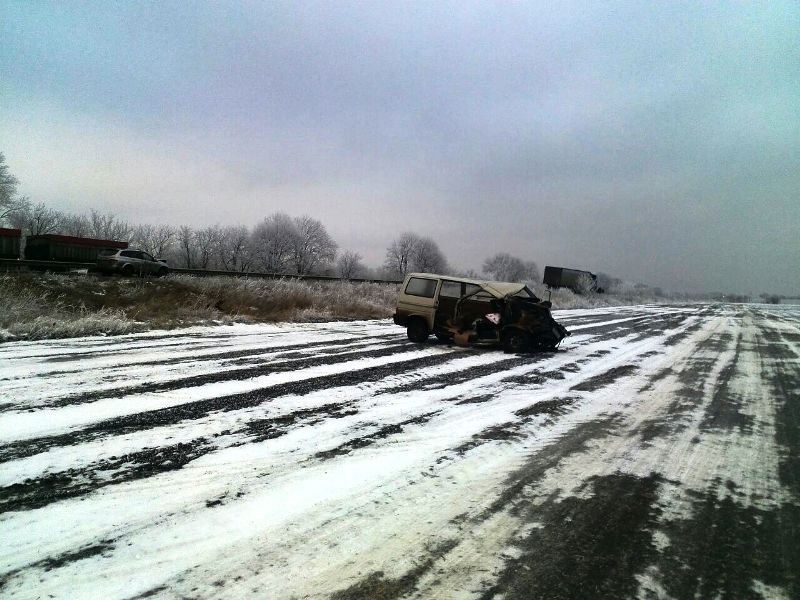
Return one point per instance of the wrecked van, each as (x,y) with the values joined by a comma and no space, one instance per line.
(470,312)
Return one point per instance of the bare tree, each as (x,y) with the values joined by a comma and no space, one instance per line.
(9,202)
(163,239)
(312,247)
(426,257)
(505,267)
(19,218)
(186,246)
(37,219)
(75,225)
(399,254)
(16,211)
(272,243)
(468,273)
(100,224)
(234,248)
(531,272)
(108,227)
(349,265)
(141,236)
(207,242)
(155,239)
(411,252)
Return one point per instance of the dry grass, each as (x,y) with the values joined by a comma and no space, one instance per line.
(36,306)
(564,298)
(31,310)
(43,305)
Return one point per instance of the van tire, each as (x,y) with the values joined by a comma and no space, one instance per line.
(417,330)
(516,341)
(128,270)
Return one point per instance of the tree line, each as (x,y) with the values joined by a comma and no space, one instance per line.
(279,243)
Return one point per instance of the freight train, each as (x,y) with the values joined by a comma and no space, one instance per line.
(67,248)
(10,242)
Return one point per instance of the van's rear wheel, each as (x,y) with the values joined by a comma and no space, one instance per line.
(417,331)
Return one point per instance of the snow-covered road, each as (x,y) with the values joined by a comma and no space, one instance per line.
(656,454)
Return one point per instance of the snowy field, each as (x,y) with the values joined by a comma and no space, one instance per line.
(655,455)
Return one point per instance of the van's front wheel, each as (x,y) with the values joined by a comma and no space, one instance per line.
(515,341)
(417,331)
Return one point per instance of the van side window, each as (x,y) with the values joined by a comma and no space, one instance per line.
(482,296)
(421,287)
(472,288)
(450,289)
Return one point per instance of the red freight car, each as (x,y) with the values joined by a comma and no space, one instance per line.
(67,248)
(9,242)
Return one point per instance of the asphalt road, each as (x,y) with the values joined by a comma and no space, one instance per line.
(655,455)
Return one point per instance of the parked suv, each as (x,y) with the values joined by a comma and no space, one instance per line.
(475,312)
(130,262)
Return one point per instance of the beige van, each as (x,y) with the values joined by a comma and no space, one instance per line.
(475,312)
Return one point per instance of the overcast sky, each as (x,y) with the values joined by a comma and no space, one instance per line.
(657,142)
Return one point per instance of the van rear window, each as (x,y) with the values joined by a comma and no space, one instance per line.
(421,287)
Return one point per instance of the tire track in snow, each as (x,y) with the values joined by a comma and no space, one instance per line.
(194,409)
(150,461)
(95,382)
(604,525)
(223,378)
(505,386)
(233,373)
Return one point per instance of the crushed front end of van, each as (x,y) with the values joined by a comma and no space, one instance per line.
(519,323)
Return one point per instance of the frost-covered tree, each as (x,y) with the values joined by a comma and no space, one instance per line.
(9,201)
(106,226)
(158,240)
(234,248)
(75,225)
(36,219)
(410,252)
(312,246)
(585,285)
(505,267)
(349,265)
(206,241)
(398,254)
(426,257)
(272,243)
(186,248)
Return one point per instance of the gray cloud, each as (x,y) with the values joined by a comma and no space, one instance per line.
(657,143)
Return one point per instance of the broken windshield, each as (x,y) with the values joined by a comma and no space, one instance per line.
(526,293)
